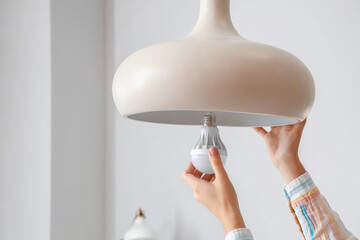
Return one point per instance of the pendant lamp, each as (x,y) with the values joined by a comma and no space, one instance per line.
(140,230)
(214,69)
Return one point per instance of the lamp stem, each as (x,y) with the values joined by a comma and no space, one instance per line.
(214,20)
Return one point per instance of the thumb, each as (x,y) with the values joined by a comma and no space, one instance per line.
(216,162)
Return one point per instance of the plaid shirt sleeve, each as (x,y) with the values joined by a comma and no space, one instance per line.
(312,213)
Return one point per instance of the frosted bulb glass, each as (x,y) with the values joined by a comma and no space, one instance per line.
(209,137)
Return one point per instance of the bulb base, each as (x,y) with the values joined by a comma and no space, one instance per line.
(210,120)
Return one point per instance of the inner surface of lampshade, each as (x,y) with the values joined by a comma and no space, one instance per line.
(193,117)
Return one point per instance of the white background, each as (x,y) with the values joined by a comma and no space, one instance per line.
(150,158)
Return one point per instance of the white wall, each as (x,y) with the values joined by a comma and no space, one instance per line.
(78,120)
(150,158)
(25,134)
(52,120)
(110,200)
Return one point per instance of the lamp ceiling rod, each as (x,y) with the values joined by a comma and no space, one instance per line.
(214,20)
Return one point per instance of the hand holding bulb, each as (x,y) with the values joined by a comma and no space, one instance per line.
(218,195)
(209,137)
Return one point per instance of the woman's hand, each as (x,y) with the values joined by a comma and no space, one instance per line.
(282,144)
(216,192)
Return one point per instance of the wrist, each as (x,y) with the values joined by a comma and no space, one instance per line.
(290,168)
(232,220)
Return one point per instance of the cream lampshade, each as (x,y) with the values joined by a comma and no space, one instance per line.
(214,69)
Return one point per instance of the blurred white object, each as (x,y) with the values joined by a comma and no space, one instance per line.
(209,137)
(139,230)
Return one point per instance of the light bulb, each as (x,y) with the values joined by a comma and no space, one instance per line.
(209,137)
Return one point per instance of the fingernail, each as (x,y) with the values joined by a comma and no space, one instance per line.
(214,151)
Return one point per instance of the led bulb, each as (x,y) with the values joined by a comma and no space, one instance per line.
(209,137)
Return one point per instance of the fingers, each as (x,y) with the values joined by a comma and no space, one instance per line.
(301,125)
(216,162)
(260,130)
(276,127)
(190,168)
(191,180)
(208,177)
(197,173)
